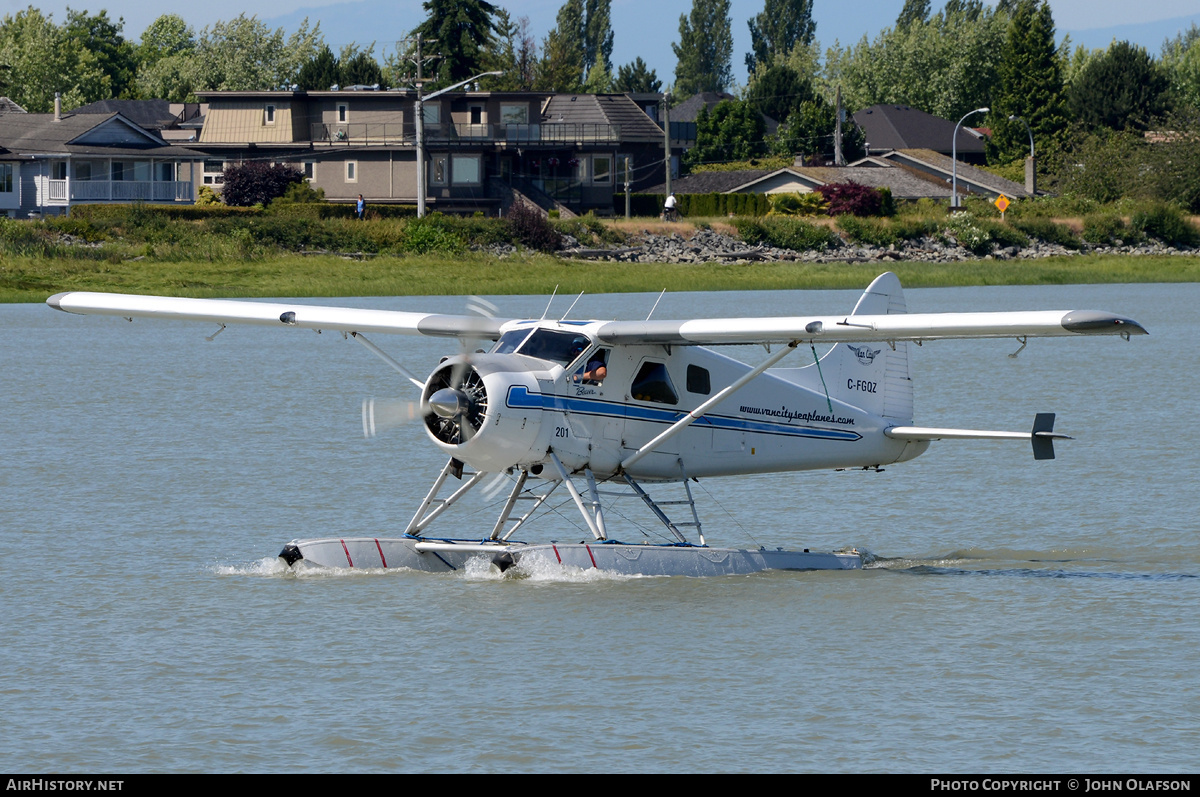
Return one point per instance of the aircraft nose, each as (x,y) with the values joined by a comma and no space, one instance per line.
(448,403)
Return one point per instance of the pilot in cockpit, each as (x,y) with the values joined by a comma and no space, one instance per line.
(596,369)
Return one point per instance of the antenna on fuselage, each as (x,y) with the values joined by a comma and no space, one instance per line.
(547,310)
(572,307)
(656,301)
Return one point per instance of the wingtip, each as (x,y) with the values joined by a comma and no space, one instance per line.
(1095,322)
(55,301)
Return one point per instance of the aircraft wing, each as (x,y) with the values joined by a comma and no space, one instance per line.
(303,316)
(855,328)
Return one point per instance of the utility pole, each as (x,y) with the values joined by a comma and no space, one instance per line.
(626,186)
(838,158)
(419,112)
(666,117)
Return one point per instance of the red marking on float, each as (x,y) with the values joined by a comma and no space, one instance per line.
(593,556)
(347,550)
(381,556)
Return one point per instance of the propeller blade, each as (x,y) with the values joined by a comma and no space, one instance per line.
(379,415)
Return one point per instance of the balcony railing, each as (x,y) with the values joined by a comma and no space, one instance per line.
(120,190)
(367,134)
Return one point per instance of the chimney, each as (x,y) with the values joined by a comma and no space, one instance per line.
(57,107)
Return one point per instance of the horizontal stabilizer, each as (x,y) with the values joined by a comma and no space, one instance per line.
(1042,436)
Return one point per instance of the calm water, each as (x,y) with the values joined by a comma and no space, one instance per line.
(1019,615)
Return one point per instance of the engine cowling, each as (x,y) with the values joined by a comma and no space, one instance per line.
(469,416)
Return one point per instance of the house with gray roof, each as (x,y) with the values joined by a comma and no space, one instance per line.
(890,127)
(51,161)
(970,179)
(562,151)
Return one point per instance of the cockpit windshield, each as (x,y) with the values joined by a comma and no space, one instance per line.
(545,344)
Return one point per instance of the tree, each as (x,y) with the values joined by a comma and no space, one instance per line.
(780,27)
(705,49)
(779,91)
(563,55)
(1030,85)
(319,72)
(257,183)
(913,11)
(578,51)
(945,66)
(166,69)
(597,37)
(517,54)
(636,78)
(1123,88)
(1181,60)
(102,37)
(732,131)
(359,68)
(463,32)
(44,60)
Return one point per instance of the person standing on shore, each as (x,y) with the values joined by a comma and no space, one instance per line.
(360,209)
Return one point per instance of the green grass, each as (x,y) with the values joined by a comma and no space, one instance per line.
(31,279)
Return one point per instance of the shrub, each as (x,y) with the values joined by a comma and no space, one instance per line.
(874,232)
(807,204)
(531,229)
(429,235)
(206,196)
(257,183)
(1106,228)
(786,232)
(1002,234)
(851,198)
(910,228)
(969,235)
(1166,223)
(1045,229)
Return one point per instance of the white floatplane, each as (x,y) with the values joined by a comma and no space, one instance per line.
(599,408)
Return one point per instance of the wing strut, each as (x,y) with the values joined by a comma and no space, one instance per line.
(698,413)
(381,354)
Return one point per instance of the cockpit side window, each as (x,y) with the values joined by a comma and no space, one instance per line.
(557,347)
(595,369)
(653,383)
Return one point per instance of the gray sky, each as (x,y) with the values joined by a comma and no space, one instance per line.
(642,28)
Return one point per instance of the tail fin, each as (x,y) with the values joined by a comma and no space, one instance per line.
(873,376)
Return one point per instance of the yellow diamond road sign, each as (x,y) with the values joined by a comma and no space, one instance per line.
(1002,203)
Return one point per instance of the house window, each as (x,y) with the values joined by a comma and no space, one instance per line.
(437,170)
(432,114)
(214,172)
(166,172)
(601,169)
(343,113)
(310,169)
(352,171)
(514,114)
(6,178)
(465,169)
(58,170)
(476,114)
(269,114)
(87,170)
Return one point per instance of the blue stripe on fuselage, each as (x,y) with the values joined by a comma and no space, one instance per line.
(519,397)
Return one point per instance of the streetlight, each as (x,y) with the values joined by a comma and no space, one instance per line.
(1031,165)
(420,109)
(954,203)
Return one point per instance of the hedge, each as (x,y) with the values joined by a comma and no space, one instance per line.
(695,204)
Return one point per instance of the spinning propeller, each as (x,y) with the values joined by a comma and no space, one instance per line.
(454,400)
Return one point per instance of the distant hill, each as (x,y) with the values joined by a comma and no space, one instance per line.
(1150,35)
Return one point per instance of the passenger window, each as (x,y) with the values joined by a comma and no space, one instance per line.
(698,380)
(653,383)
